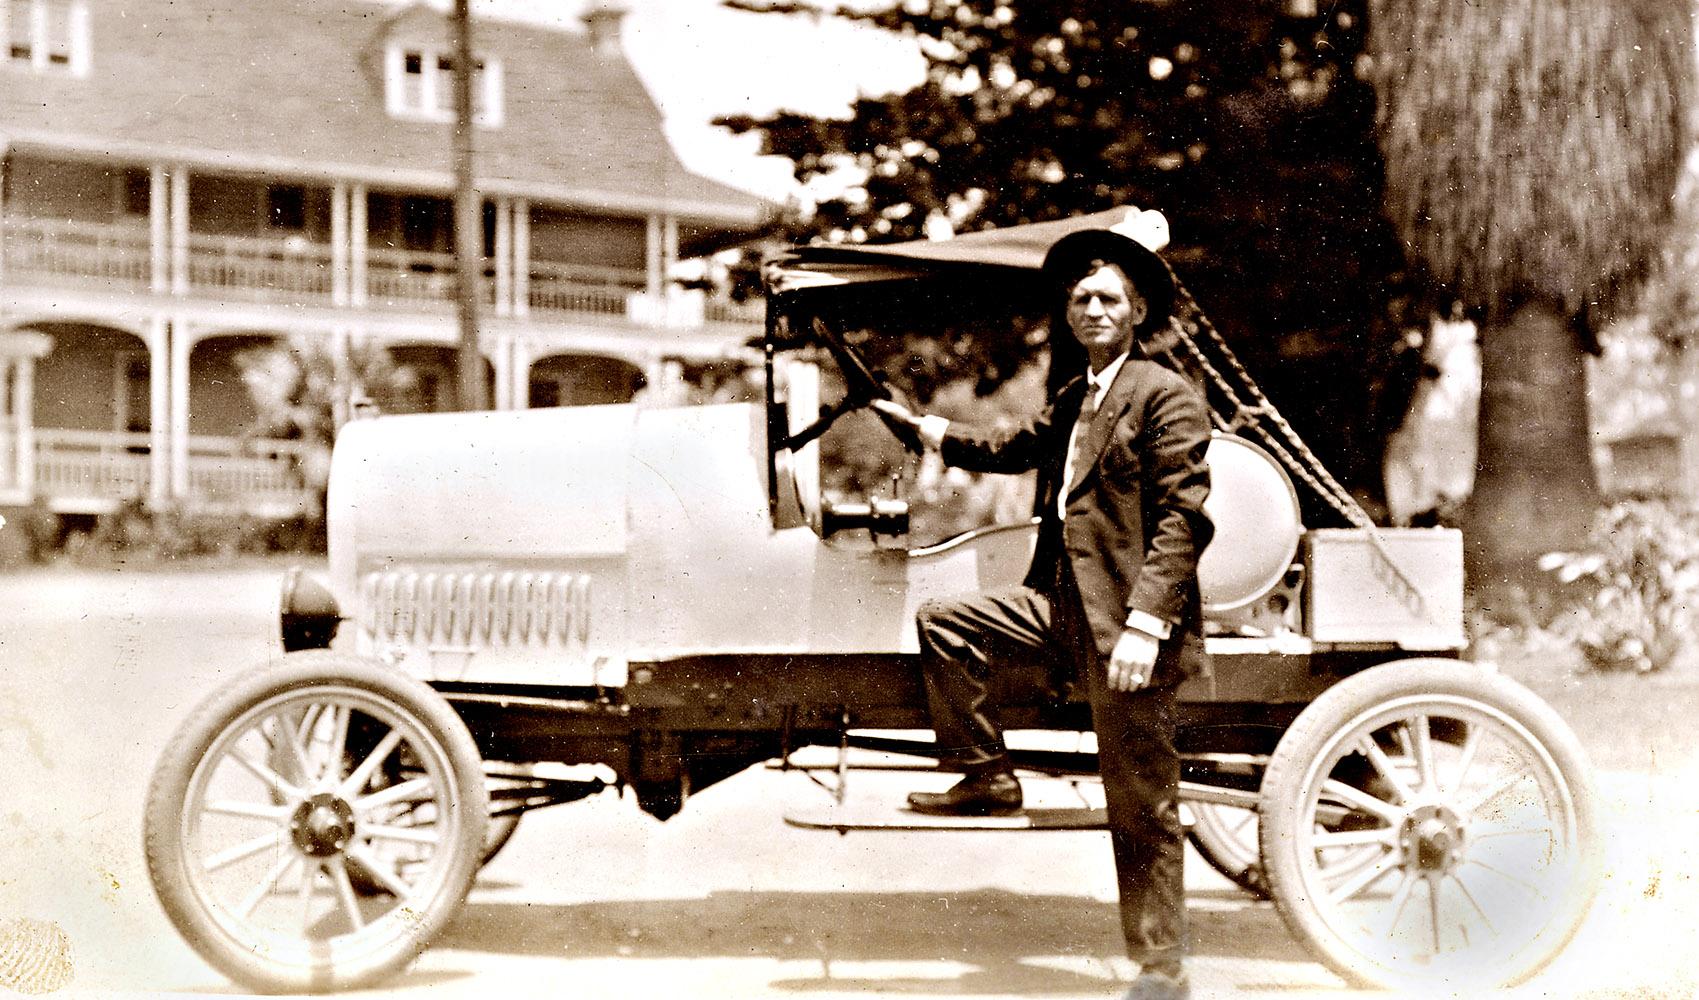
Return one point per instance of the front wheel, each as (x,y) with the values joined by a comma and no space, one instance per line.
(1429,823)
(289,787)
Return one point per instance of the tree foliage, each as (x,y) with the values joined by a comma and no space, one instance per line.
(1533,149)
(1533,146)
(1247,124)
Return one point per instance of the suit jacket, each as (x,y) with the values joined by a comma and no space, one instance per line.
(1135,524)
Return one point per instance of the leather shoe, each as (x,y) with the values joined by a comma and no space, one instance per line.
(990,793)
(1152,985)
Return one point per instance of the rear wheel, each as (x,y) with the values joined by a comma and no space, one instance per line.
(1427,823)
(288,789)
(1226,837)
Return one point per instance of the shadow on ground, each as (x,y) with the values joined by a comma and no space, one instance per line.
(1012,942)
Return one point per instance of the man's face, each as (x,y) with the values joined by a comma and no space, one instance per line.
(1103,311)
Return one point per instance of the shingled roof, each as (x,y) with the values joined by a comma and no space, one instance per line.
(297,89)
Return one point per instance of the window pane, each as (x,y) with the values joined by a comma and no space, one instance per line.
(413,81)
(138,189)
(18,30)
(58,39)
(445,84)
(287,206)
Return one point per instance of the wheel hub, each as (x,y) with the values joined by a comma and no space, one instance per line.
(1433,839)
(322,825)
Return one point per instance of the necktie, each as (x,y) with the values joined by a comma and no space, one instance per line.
(1079,457)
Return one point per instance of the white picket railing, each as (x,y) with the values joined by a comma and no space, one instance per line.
(91,465)
(297,270)
(565,288)
(238,471)
(249,267)
(409,277)
(77,251)
(105,466)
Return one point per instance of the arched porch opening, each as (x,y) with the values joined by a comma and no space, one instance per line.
(225,397)
(96,378)
(96,417)
(430,379)
(570,379)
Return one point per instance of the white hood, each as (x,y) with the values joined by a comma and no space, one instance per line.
(475,487)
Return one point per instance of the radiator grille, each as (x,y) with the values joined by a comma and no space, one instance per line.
(475,610)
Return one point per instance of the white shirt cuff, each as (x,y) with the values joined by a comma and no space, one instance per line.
(932,430)
(1149,624)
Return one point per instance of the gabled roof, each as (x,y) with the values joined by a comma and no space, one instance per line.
(297,88)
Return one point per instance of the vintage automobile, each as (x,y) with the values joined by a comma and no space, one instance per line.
(529,608)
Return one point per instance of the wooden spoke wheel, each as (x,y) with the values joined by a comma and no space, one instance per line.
(291,786)
(1427,823)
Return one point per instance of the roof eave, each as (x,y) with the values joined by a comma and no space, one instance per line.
(748,216)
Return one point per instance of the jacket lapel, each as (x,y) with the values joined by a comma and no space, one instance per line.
(1115,403)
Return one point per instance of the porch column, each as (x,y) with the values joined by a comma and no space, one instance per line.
(339,248)
(23,406)
(159,411)
(652,257)
(18,354)
(501,365)
(180,230)
(5,161)
(181,344)
(359,238)
(342,380)
(521,257)
(159,228)
(504,258)
(8,470)
(520,391)
(669,251)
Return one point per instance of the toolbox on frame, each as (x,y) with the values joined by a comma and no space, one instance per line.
(1402,585)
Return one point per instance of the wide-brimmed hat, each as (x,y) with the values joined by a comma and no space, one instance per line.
(1070,256)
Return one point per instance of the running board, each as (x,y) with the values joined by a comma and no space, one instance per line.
(874,816)
(1046,761)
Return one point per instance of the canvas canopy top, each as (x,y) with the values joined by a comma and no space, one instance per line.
(1020,248)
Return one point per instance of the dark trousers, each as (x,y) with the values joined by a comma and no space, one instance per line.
(962,642)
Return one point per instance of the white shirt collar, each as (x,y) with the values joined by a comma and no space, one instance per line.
(1101,381)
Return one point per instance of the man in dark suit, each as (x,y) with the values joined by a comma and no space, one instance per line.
(1112,592)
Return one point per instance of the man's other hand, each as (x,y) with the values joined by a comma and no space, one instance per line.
(1132,661)
(901,422)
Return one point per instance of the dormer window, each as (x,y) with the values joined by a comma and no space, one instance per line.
(419,84)
(46,35)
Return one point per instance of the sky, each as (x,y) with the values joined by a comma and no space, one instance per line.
(700,60)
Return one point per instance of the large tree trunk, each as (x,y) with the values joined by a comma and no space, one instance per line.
(1535,487)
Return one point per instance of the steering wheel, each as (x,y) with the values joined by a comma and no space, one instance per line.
(861,386)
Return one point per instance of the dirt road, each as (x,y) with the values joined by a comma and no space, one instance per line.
(598,900)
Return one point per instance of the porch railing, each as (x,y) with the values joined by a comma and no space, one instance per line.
(237,471)
(93,469)
(255,268)
(92,465)
(752,312)
(78,250)
(564,288)
(409,277)
(297,270)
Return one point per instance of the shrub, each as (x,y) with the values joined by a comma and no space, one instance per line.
(136,531)
(1627,600)
(27,534)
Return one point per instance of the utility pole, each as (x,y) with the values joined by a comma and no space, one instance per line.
(468,216)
